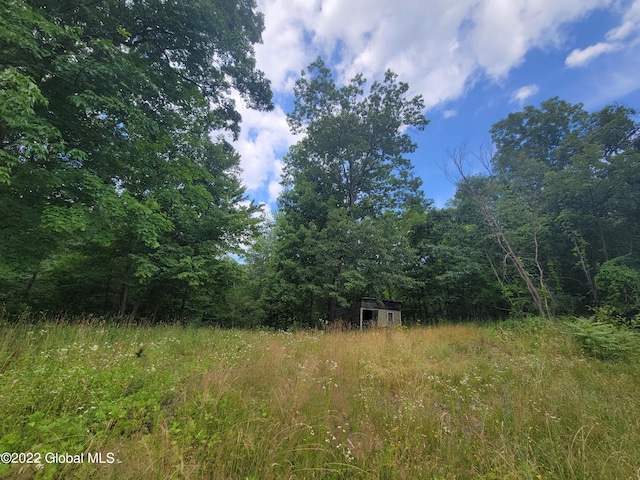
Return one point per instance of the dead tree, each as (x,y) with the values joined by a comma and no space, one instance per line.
(539,295)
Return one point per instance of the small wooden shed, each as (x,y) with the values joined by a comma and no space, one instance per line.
(372,312)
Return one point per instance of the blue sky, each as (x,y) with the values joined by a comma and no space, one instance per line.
(473,61)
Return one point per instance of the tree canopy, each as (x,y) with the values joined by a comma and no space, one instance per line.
(550,228)
(118,199)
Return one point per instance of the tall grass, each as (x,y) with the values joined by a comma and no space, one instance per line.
(456,402)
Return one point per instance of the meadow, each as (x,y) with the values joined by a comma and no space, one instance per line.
(516,400)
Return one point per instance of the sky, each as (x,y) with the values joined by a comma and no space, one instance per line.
(473,62)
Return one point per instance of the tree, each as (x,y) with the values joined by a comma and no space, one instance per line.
(113,157)
(346,185)
(578,197)
(453,266)
(559,197)
(488,193)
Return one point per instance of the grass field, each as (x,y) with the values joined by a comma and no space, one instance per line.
(499,401)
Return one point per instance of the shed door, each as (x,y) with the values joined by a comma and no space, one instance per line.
(368,317)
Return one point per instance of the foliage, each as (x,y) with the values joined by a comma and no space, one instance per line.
(118,198)
(605,339)
(552,199)
(534,235)
(453,277)
(619,287)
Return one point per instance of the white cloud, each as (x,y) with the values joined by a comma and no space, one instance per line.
(284,50)
(621,37)
(578,57)
(438,47)
(611,84)
(264,139)
(274,185)
(523,93)
(449,113)
(504,31)
(630,24)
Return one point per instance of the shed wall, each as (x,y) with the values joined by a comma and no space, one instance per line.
(383,318)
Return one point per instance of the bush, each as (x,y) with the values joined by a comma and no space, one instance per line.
(618,286)
(608,314)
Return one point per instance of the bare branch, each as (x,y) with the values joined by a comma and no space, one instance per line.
(482,198)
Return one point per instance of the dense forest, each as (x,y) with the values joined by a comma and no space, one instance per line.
(120,192)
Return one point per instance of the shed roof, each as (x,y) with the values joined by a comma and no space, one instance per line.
(371,303)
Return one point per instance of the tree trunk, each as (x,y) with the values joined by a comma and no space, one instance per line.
(183,304)
(494,224)
(124,292)
(123,300)
(136,305)
(332,309)
(585,268)
(543,287)
(30,284)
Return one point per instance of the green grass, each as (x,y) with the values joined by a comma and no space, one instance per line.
(498,401)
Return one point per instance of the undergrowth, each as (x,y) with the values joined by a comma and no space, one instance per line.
(607,335)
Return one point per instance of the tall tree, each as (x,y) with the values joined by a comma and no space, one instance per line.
(346,184)
(488,193)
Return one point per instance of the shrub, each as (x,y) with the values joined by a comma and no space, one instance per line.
(608,314)
(618,286)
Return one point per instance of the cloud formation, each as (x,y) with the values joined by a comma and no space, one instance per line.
(629,26)
(579,57)
(439,46)
(625,35)
(264,138)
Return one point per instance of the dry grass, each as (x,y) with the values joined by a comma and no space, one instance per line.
(455,402)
